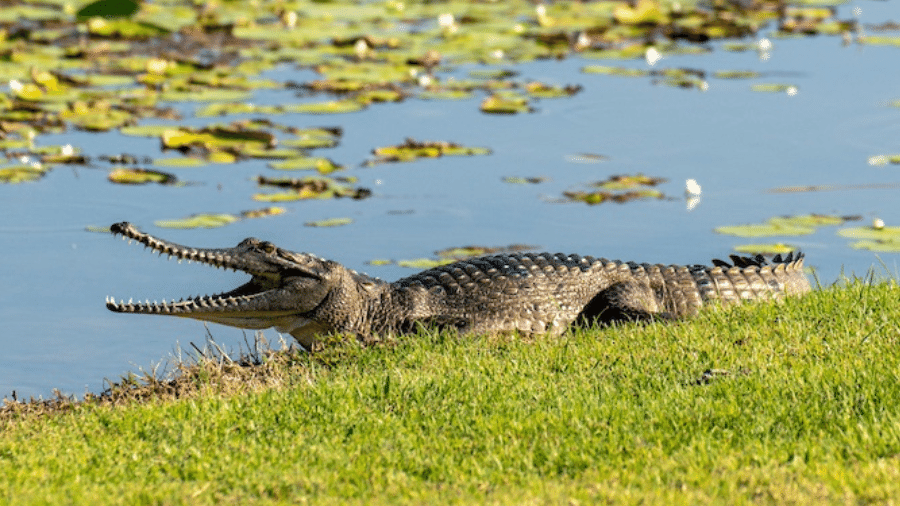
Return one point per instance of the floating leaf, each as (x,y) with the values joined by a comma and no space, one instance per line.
(331,222)
(412,149)
(614,71)
(199,221)
(308,188)
(600,197)
(626,182)
(879,160)
(424,263)
(140,176)
(765,249)
(541,90)
(525,180)
(506,103)
(876,233)
(180,161)
(217,220)
(20,174)
(874,238)
(790,89)
(330,107)
(311,138)
(646,12)
(322,165)
(736,74)
(204,95)
(789,226)
(586,158)
(445,94)
(234,137)
(265,211)
(145,130)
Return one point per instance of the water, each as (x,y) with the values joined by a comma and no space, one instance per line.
(736,143)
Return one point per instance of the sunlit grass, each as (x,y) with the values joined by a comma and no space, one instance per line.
(770,403)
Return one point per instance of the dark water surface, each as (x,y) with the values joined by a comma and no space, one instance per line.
(736,143)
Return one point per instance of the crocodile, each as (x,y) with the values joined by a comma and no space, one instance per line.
(530,293)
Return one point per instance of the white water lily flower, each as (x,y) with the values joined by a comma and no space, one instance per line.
(652,55)
(691,188)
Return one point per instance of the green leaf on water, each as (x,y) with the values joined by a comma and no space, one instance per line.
(145,130)
(329,107)
(614,71)
(736,74)
(20,174)
(505,103)
(331,222)
(445,94)
(199,221)
(765,230)
(413,149)
(525,180)
(322,165)
(312,138)
(765,248)
(140,176)
(626,182)
(541,90)
(774,88)
(179,161)
(424,263)
(313,187)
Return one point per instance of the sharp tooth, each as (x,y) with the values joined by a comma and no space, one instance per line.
(130,301)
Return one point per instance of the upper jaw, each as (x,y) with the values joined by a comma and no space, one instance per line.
(263,261)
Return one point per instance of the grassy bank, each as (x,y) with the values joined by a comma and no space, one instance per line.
(784,403)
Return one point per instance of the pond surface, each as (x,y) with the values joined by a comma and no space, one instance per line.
(736,143)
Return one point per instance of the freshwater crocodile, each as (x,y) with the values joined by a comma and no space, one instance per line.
(307,296)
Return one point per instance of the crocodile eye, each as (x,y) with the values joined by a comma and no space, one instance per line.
(267,247)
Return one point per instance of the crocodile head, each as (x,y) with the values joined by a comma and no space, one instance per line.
(284,292)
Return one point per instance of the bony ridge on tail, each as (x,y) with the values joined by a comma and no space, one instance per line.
(308,297)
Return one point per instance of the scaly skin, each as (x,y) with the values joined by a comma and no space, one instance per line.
(308,297)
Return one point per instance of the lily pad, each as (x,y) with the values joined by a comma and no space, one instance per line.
(790,89)
(424,263)
(736,74)
(525,180)
(331,222)
(880,238)
(784,226)
(180,161)
(20,174)
(626,182)
(413,149)
(322,165)
(541,90)
(599,197)
(312,138)
(140,176)
(329,107)
(199,221)
(308,188)
(765,248)
(505,103)
(217,220)
(614,71)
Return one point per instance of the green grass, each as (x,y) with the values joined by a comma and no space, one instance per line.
(795,403)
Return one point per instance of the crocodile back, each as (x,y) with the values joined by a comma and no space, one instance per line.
(544,292)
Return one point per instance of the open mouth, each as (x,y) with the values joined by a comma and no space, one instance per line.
(243,298)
